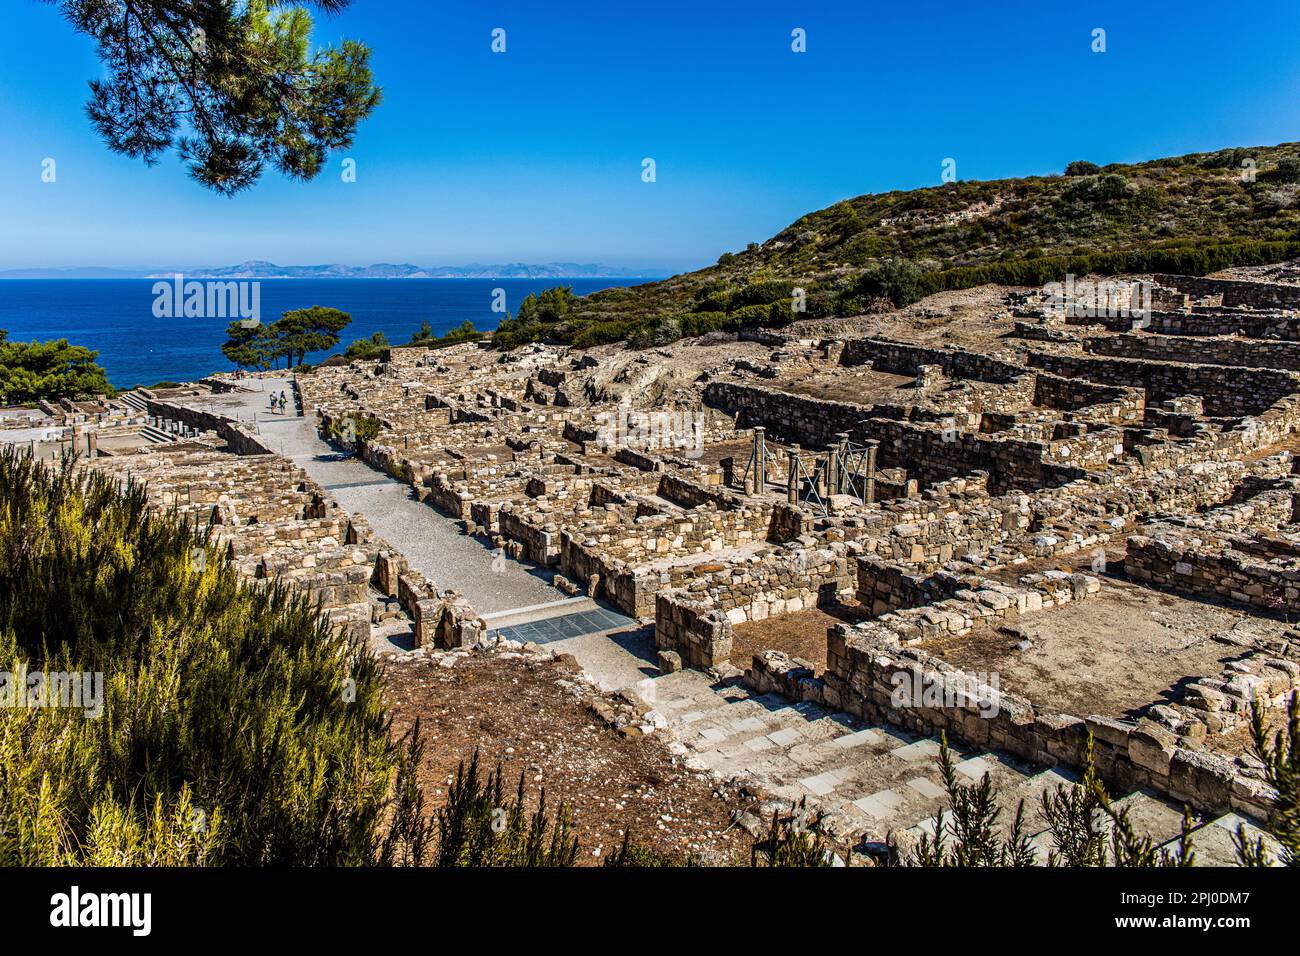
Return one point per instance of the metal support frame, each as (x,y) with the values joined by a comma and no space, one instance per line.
(847,467)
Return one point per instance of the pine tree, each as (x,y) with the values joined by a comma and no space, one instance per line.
(233,87)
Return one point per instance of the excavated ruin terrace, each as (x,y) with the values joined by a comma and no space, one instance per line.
(1098,506)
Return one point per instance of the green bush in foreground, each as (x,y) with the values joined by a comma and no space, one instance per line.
(355,428)
(236,728)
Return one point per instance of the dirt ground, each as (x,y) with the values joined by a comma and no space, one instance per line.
(863,387)
(801,635)
(1113,654)
(537,726)
(973,317)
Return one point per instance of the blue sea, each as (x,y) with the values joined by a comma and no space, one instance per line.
(116,316)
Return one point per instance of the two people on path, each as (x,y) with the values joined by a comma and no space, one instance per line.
(278,403)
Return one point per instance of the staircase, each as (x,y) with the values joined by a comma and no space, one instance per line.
(155,435)
(874,780)
(136,401)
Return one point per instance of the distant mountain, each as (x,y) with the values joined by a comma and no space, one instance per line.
(257,269)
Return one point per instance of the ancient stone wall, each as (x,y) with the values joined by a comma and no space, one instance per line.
(811,422)
(1214,567)
(934,453)
(903,359)
(1235,293)
(240,440)
(1228,392)
(698,633)
(1281,326)
(1205,351)
(868,665)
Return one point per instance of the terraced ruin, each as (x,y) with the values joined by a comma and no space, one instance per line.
(1023,525)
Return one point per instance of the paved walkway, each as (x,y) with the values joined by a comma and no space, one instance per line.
(431,541)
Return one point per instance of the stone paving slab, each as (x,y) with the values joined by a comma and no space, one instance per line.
(920,750)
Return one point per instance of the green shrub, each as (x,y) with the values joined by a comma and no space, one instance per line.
(465,332)
(1099,190)
(661,331)
(236,726)
(1281,759)
(751,316)
(1085,827)
(761,293)
(601,333)
(355,428)
(479,827)
(702,323)
(1287,170)
(1081,167)
(897,280)
(794,840)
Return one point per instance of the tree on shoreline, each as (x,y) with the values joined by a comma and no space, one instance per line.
(367,348)
(314,329)
(292,336)
(249,346)
(465,332)
(47,371)
(233,87)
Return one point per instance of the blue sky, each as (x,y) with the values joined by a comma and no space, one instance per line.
(535,154)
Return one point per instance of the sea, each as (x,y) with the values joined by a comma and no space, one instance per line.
(118,317)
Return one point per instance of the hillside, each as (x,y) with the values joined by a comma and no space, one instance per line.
(1189,214)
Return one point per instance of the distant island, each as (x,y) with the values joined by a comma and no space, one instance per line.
(259,269)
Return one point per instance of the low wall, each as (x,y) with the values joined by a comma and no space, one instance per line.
(904,359)
(1204,351)
(1211,568)
(241,442)
(1228,392)
(1285,328)
(929,452)
(1235,292)
(444,622)
(699,633)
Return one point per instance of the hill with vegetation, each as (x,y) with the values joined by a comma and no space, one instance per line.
(1187,214)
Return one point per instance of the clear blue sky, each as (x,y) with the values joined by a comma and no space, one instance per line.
(535,155)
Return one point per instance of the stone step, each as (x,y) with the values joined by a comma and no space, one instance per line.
(156,435)
(538,612)
(1031,791)
(136,401)
(1151,816)
(873,780)
(1213,843)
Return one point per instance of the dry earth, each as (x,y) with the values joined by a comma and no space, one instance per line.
(540,722)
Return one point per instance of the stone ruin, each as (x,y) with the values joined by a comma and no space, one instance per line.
(912,500)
